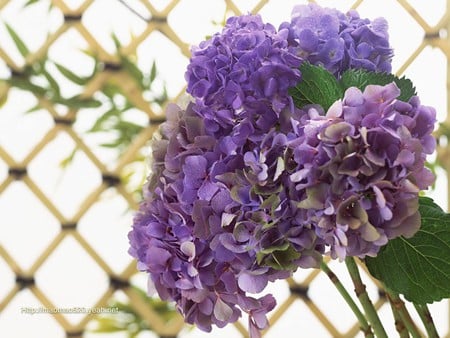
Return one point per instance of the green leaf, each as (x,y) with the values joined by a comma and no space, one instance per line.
(418,267)
(271,203)
(153,72)
(77,102)
(54,86)
(101,124)
(271,249)
(318,86)
(67,160)
(29,3)
(33,109)
(134,71)
(108,325)
(26,84)
(116,41)
(361,78)
(428,202)
(279,258)
(113,144)
(81,81)
(21,47)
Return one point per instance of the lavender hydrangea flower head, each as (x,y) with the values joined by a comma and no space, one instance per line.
(242,73)
(178,237)
(205,232)
(327,37)
(360,168)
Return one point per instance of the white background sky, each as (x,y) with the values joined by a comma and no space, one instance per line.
(26,227)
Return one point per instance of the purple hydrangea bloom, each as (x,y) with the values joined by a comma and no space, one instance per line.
(245,187)
(224,216)
(360,168)
(327,37)
(198,230)
(242,74)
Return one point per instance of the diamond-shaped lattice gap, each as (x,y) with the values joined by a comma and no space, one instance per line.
(322,291)
(5,72)
(24,21)
(275,14)
(306,324)
(19,132)
(25,233)
(139,280)
(16,322)
(71,278)
(170,62)
(66,186)
(246,5)
(3,170)
(107,134)
(105,227)
(431,14)
(102,26)
(399,23)
(429,74)
(160,5)
(67,52)
(8,279)
(204,20)
(74,4)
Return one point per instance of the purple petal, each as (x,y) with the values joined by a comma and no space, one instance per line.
(188,248)
(252,283)
(222,311)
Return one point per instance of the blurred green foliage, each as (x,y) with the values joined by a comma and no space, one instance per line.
(39,79)
(114,123)
(127,320)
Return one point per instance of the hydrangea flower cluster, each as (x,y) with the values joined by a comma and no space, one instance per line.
(360,168)
(242,74)
(186,236)
(338,41)
(246,188)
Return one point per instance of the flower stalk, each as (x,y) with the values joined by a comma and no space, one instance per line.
(427,320)
(399,305)
(361,293)
(365,327)
(399,325)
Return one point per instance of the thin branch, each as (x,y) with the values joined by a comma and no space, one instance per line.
(427,320)
(399,324)
(135,12)
(361,292)
(365,327)
(398,303)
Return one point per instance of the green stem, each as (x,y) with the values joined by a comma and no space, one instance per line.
(427,320)
(399,324)
(365,327)
(396,301)
(361,293)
